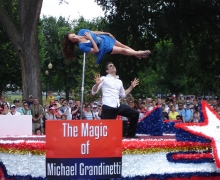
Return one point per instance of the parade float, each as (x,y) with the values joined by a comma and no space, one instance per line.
(165,150)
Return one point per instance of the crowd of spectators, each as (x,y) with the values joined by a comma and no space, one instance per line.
(181,110)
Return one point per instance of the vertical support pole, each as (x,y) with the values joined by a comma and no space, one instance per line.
(46,87)
(82,88)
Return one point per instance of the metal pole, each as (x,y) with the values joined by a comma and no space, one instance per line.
(82,88)
(46,87)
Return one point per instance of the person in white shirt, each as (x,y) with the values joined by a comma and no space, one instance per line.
(13,110)
(112,88)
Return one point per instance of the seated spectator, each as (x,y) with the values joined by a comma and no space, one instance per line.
(25,110)
(13,110)
(17,105)
(6,110)
(172,114)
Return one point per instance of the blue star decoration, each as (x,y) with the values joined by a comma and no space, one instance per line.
(209,129)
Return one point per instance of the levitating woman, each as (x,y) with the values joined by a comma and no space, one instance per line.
(98,43)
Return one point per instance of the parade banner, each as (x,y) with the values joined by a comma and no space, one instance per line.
(81,149)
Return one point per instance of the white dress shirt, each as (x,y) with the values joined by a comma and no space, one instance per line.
(112,88)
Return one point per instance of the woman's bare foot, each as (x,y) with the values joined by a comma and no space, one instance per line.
(146,53)
(143,54)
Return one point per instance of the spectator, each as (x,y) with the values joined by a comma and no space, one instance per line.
(65,109)
(167,106)
(1,111)
(50,114)
(159,102)
(187,113)
(196,117)
(132,104)
(50,97)
(218,110)
(38,131)
(124,101)
(17,105)
(172,114)
(25,110)
(179,117)
(63,117)
(95,111)
(76,112)
(30,100)
(99,101)
(37,112)
(169,98)
(164,113)
(153,104)
(100,110)
(61,100)
(13,110)
(175,104)
(52,102)
(180,110)
(143,109)
(57,111)
(6,110)
(58,97)
(87,113)
(3,100)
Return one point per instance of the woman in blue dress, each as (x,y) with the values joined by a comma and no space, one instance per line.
(98,43)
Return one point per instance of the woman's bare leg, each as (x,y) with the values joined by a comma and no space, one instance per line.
(119,44)
(120,48)
(130,52)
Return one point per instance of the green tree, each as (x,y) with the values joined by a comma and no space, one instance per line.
(23,34)
(191,26)
(66,76)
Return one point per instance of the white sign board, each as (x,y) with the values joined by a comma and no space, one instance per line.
(15,125)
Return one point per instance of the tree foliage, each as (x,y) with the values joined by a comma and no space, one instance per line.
(191,28)
(66,76)
(10,73)
(22,32)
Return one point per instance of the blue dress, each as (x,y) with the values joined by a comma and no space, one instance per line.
(105,44)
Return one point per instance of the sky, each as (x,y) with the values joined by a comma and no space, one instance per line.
(86,8)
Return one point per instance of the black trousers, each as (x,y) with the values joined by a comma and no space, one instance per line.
(123,110)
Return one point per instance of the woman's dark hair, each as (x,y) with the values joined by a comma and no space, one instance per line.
(63,115)
(68,48)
